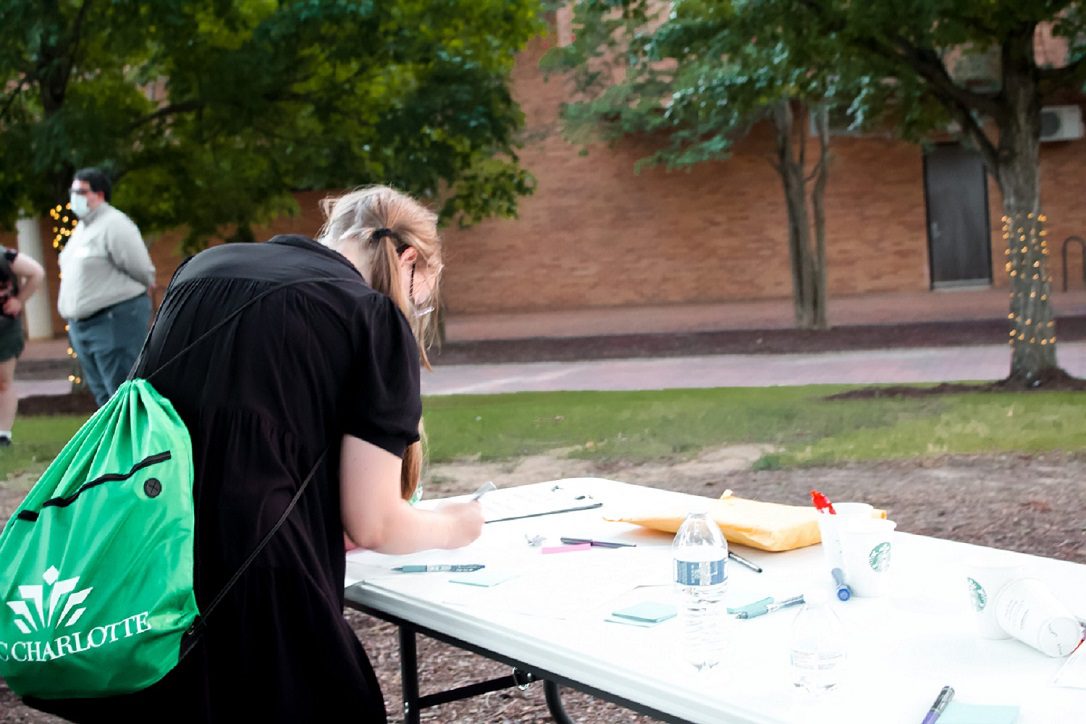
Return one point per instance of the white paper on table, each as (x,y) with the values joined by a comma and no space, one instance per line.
(1073,672)
(558,586)
(533,500)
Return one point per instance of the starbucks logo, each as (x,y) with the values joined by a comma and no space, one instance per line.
(977,594)
(879,557)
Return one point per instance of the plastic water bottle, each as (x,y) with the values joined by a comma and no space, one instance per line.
(700,554)
(818,645)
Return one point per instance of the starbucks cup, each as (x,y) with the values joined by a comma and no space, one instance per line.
(1028,610)
(866,546)
(829,527)
(985,577)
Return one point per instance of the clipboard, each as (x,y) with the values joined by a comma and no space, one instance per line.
(530,502)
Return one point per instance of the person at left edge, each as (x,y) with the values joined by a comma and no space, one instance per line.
(20,277)
(105,278)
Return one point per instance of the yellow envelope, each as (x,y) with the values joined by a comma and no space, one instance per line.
(765,526)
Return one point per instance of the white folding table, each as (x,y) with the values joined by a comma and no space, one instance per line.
(548,620)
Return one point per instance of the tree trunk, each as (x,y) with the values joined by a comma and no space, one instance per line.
(791,173)
(818,195)
(1033,330)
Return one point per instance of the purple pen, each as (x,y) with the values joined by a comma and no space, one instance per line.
(940,704)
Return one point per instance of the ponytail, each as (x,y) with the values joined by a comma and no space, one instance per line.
(382,223)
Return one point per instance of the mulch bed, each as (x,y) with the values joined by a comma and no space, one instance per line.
(1054,381)
(765,341)
(75,403)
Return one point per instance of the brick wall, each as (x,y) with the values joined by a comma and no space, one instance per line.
(597,234)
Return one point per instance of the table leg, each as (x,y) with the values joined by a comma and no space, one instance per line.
(554,703)
(409,676)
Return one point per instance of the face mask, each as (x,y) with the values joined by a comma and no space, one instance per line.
(79,205)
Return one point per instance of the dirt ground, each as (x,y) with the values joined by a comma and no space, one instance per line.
(1032,504)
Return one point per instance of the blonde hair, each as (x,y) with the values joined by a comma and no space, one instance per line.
(353,220)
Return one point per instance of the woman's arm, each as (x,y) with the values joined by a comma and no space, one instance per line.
(30,275)
(377,518)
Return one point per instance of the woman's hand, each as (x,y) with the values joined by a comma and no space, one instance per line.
(375,517)
(465,522)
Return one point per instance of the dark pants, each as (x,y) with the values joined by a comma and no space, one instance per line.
(108,343)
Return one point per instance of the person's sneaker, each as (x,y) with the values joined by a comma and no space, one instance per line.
(5,440)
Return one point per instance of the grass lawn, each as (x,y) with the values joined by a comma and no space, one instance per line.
(803,426)
(37,441)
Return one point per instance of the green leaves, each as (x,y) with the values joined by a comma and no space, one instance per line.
(210,113)
(697,74)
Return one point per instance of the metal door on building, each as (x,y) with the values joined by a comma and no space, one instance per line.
(959,237)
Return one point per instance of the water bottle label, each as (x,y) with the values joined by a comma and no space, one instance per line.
(699,573)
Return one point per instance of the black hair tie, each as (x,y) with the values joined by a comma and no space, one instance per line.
(382,233)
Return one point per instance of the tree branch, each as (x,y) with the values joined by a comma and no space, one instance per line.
(971,128)
(15,92)
(931,68)
(77,35)
(923,61)
(803,111)
(170,110)
(1049,78)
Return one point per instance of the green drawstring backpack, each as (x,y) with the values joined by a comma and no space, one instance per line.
(96,564)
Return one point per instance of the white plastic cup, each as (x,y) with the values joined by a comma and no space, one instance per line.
(985,577)
(828,530)
(1028,610)
(866,548)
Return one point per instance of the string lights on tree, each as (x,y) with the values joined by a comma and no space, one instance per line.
(1026,250)
(64,223)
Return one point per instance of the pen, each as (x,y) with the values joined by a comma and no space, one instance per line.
(483,490)
(439,567)
(940,703)
(744,562)
(844,592)
(598,543)
(764,606)
(793,601)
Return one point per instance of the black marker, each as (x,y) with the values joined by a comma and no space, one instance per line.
(744,562)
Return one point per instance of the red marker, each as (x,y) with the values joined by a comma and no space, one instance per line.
(821,503)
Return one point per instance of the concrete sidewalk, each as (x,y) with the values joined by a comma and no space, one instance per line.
(865,309)
(937,364)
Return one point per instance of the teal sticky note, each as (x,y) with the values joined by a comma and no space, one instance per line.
(647,612)
(483,578)
(959,713)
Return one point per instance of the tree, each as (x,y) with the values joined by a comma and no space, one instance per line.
(905,57)
(213,112)
(690,75)
(914,48)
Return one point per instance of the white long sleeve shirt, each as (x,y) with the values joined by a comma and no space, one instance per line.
(104,262)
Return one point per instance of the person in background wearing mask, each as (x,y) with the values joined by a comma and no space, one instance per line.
(105,276)
(20,277)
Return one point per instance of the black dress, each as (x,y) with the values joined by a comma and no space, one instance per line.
(263,397)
